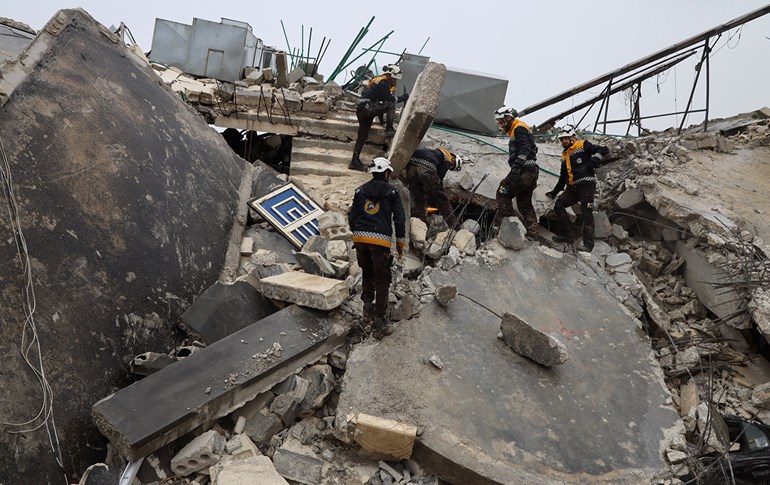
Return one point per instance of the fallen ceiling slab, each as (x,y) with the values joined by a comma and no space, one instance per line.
(215,381)
(127,200)
(493,416)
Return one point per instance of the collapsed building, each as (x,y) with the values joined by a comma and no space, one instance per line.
(180,333)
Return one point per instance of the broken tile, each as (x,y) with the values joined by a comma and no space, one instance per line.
(532,343)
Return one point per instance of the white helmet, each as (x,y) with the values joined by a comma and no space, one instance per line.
(452,157)
(393,70)
(379,165)
(566,131)
(504,111)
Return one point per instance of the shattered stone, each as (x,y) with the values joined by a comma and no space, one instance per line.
(150,363)
(436,362)
(314,263)
(532,343)
(465,242)
(385,436)
(305,289)
(247,246)
(262,426)
(257,470)
(336,250)
(471,226)
(315,244)
(200,453)
(321,383)
(512,234)
(240,447)
(298,467)
(446,294)
(760,396)
(418,233)
(406,307)
(285,407)
(603,227)
(629,199)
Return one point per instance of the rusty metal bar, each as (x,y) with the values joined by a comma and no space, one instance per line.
(647,59)
(625,120)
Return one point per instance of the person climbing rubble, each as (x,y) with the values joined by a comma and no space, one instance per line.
(425,174)
(521,180)
(579,160)
(376,205)
(377,100)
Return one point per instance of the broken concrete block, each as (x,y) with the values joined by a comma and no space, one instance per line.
(255,77)
(336,250)
(760,396)
(439,246)
(412,265)
(338,359)
(471,226)
(224,309)
(512,234)
(465,241)
(295,386)
(295,466)
(240,447)
(619,262)
(282,66)
(333,226)
(305,289)
(602,225)
(418,233)
(247,246)
(314,263)
(214,382)
(341,268)
(688,398)
(436,362)
(295,75)
(202,452)
(619,233)
(407,307)
(285,407)
(332,89)
(315,244)
(417,116)
(629,199)
(712,427)
(150,363)
(262,426)
(446,294)
(321,383)
(532,343)
(247,471)
(385,436)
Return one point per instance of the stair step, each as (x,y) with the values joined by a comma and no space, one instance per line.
(317,154)
(320,168)
(331,144)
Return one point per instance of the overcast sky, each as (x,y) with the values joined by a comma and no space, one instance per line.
(542,48)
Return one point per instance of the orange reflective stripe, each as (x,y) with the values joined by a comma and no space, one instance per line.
(517,123)
(578,145)
(378,79)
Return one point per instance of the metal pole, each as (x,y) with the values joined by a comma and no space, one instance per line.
(318,57)
(694,85)
(647,59)
(381,41)
(355,43)
(601,107)
(708,86)
(309,40)
(288,47)
(607,106)
(302,50)
(423,46)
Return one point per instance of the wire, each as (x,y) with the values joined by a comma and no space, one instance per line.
(45,414)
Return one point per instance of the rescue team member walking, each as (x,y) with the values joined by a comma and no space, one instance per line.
(425,173)
(579,160)
(377,205)
(521,181)
(375,101)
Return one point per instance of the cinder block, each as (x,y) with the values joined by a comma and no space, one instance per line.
(200,453)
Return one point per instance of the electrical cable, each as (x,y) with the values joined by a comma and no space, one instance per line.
(46,409)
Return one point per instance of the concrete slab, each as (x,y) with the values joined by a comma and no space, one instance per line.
(492,416)
(305,289)
(216,380)
(417,115)
(127,208)
(224,309)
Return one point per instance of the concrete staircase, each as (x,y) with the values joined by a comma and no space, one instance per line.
(323,156)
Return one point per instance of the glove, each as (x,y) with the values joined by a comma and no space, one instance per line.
(403,98)
(400,250)
(551,194)
(596,161)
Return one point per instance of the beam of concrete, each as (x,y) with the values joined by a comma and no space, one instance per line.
(216,380)
(126,199)
(417,115)
(492,416)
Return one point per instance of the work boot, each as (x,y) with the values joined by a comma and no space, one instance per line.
(390,132)
(368,315)
(381,327)
(356,164)
(563,239)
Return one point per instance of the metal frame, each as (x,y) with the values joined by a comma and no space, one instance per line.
(291,212)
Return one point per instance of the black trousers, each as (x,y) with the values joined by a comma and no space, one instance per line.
(366,112)
(426,187)
(375,262)
(583,193)
(519,184)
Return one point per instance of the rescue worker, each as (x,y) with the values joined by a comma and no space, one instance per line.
(579,160)
(521,181)
(425,173)
(376,208)
(377,100)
